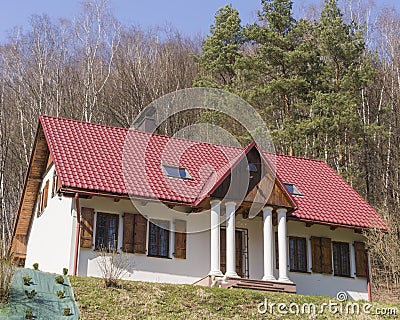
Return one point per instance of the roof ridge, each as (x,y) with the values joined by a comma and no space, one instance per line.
(299,157)
(141,132)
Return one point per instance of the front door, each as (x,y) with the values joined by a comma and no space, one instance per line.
(239,237)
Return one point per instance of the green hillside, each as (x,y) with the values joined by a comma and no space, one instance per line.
(143,300)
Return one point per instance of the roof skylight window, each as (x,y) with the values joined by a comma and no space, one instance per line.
(293,189)
(176,172)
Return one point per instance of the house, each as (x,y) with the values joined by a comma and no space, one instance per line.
(190,212)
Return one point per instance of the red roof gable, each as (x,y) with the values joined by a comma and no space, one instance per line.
(92,157)
(327,198)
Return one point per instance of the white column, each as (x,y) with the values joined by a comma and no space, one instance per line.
(282,245)
(230,240)
(215,245)
(268,244)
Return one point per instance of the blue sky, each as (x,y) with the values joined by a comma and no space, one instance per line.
(188,16)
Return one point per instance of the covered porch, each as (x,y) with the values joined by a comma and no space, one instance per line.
(229,253)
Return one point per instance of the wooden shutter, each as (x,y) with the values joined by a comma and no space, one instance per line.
(87,218)
(180,239)
(361,259)
(139,234)
(326,247)
(54,188)
(45,195)
(39,204)
(321,255)
(316,254)
(129,225)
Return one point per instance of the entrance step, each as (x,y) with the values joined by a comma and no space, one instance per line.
(243,283)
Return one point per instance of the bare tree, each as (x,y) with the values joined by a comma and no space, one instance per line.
(98,35)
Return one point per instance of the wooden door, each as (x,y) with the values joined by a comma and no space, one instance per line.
(239,251)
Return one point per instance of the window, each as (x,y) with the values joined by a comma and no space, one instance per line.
(41,201)
(341,259)
(177,172)
(159,239)
(45,195)
(293,189)
(106,231)
(298,254)
(252,167)
(55,185)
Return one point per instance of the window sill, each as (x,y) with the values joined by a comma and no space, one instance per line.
(160,257)
(343,276)
(104,251)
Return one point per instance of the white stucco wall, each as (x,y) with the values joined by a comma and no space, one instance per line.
(328,285)
(197,263)
(52,243)
(49,241)
(189,270)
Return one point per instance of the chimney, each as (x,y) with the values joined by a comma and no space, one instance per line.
(146,121)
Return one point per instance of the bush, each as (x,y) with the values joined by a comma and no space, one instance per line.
(59,279)
(65,271)
(28,314)
(27,280)
(66,312)
(30,294)
(61,294)
(36,266)
(7,270)
(113,265)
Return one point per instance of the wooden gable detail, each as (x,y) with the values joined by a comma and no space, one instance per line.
(33,180)
(262,184)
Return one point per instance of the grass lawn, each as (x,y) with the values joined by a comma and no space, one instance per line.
(143,300)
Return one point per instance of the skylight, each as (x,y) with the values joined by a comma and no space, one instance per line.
(176,172)
(293,189)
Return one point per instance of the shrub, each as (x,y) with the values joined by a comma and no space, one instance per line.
(28,314)
(30,294)
(65,271)
(66,312)
(27,280)
(113,265)
(59,279)
(36,266)
(7,270)
(61,294)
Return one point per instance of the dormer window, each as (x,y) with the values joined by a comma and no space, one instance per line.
(252,167)
(176,172)
(293,189)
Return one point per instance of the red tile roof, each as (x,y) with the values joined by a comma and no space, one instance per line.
(110,160)
(327,198)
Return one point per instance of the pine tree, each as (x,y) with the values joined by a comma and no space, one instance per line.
(277,74)
(220,50)
(344,72)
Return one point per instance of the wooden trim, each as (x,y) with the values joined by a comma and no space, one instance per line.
(33,178)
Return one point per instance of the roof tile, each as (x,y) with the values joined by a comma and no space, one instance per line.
(110,159)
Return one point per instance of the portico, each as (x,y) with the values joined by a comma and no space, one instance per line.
(218,208)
